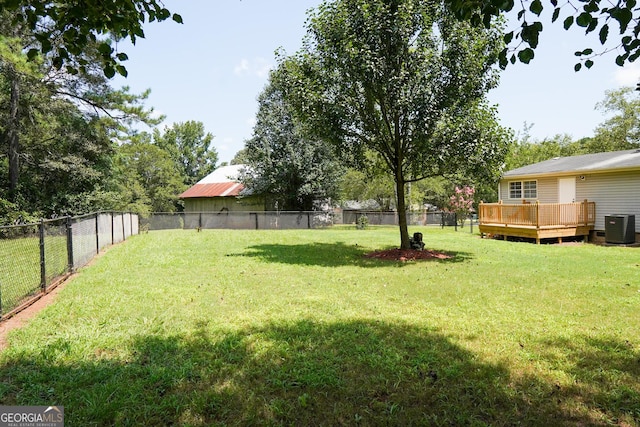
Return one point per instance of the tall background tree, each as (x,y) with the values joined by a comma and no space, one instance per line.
(404,79)
(190,147)
(293,168)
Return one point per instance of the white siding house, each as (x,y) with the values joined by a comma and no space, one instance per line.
(611,180)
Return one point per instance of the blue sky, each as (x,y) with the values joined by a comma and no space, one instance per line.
(213,67)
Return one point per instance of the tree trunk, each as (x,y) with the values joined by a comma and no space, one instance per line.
(402,213)
(11,134)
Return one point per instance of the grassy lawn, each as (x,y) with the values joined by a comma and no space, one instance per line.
(297,328)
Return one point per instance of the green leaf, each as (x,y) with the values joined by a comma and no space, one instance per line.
(57,62)
(623,16)
(32,53)
(508,37)
(568,22)
(526,55)
(105,49)
(591,7)
(584,19)
(536,7)
(588,63)
(588,51)
(46,46)
(177,18)
(592,25)
(122,70)
(556,13)
(109,71)
(122,56)
(604,33)
(577,67)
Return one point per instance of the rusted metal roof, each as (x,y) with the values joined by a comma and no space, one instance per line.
(221,189)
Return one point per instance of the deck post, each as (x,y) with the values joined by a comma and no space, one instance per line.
(585,211)
(537,214)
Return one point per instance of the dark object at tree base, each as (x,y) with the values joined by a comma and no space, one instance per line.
(416,242)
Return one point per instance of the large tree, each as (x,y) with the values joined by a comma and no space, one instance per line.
(57,129)
(190,147)
(404,79)
(147,177)
(284,162)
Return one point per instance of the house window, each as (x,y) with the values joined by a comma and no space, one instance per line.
(523,190)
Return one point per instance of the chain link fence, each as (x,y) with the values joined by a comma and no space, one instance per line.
(271,220)
(36,257)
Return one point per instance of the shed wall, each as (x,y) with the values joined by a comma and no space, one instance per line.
(217,204)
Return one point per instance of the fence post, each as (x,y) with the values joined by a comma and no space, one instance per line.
(308,220)
(455,221)
(69,245)
(97,234)
(43,267)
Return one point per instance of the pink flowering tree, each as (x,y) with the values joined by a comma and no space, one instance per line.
(461,202)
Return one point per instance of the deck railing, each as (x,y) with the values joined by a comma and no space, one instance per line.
(538,214)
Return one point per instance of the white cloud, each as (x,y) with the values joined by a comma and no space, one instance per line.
(627,76)
(258,67)
(242,67)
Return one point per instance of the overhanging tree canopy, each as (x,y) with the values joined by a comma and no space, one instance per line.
(65,29)
(604,17)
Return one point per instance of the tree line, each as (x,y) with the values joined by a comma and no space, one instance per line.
(70,143)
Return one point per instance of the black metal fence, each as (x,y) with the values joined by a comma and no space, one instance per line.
(237,220)
(272,220)
(35,257)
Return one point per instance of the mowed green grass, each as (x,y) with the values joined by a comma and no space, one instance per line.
(298,328)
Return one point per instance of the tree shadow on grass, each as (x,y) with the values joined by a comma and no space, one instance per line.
(330,255)
(363,372)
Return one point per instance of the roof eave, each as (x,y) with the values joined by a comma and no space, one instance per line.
(571,172)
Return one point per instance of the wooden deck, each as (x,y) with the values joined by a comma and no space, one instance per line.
(537,220)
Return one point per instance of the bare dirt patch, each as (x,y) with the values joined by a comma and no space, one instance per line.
(23,316)
(407,255)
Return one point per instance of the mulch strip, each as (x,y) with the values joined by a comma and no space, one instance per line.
(407,255)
